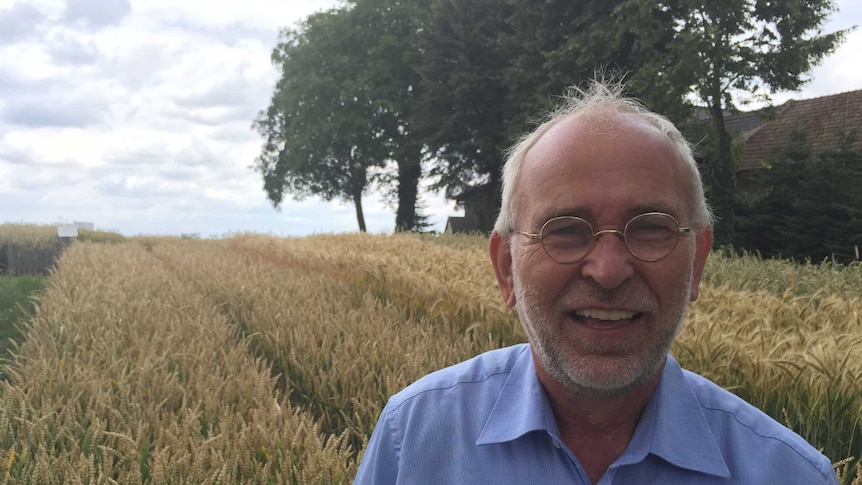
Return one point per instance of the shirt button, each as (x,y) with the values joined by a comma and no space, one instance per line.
(555,443)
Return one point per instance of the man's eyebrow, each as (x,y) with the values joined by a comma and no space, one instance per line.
(575,211)
(546,215)
(572,211)
(654,207)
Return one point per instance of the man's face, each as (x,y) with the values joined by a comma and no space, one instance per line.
(601,326)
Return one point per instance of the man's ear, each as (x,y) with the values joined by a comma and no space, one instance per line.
(501,258)
(703,246)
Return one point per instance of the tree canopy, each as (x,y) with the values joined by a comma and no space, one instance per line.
(389,77)
(372,91)
(726,49)
(319,138)
(491,67)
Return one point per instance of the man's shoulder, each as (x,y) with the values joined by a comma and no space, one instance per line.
(486,369)
(743,427)
(717,402)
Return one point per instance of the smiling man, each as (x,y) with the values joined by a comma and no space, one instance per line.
(600,245)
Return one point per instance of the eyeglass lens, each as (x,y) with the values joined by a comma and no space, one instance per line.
(649,237)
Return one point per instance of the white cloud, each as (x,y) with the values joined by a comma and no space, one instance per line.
(96,14)
(20,22)
(80,107)
(72,49)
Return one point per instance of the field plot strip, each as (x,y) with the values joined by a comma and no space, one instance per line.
(129,375)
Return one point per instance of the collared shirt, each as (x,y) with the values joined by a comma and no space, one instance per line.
(488,420)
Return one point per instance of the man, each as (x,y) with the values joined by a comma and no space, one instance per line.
(600,244)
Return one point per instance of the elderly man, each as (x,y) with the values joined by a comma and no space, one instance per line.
(600,244)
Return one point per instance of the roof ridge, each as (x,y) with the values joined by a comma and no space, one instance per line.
(843,93)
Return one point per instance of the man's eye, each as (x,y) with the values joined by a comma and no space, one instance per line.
(567,229)
(650,231)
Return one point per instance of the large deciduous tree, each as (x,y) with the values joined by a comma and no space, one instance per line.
(389,76)
(722,48)
(559,43)
(344,108)
(490,66)
(320,130)
(463,99)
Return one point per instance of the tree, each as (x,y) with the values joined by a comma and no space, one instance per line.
(320,129)
(809,205)
(462,98)
(389,76)
(490,66)
(348,85)
(559,43)
(723,47)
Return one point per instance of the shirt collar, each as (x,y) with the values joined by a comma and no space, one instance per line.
(672,427)
(678,431)
(521,406)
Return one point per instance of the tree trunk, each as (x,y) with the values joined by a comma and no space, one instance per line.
(722,178)
(357,203)
(409,173)
(488,204)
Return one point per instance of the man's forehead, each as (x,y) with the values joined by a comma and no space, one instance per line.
(582,152)
(596,122)
(575,138)
(635,208)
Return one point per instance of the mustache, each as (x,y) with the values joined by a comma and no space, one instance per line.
(583,294)
(633,294)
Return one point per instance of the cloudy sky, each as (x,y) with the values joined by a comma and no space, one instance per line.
(135,115)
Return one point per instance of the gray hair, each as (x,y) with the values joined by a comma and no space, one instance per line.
(600,98)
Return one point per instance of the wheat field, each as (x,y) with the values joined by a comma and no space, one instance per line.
(257,359)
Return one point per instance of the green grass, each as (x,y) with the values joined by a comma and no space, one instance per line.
(16,305)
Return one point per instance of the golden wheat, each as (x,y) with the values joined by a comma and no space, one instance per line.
(30,235)
(128,375)
(259,357)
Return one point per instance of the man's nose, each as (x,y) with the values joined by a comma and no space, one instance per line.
(609,261)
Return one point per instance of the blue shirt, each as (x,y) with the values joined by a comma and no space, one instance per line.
(487,420)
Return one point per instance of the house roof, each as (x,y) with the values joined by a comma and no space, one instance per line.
(745,122)
(735,123)
(822,120)
(455,225)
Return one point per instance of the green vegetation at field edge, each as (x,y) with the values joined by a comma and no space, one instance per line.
(16,305)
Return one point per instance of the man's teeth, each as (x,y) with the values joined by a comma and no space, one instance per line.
(606,315)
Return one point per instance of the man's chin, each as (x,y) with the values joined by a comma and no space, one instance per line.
(604,376)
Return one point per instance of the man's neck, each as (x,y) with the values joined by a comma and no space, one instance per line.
(596,430)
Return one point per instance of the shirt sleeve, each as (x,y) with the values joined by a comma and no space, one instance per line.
(379,464)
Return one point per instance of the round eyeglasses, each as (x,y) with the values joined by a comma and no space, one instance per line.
(648,237)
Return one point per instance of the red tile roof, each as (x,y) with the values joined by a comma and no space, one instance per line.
(821,119)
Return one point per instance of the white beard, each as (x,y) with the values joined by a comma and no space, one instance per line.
(599,369)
